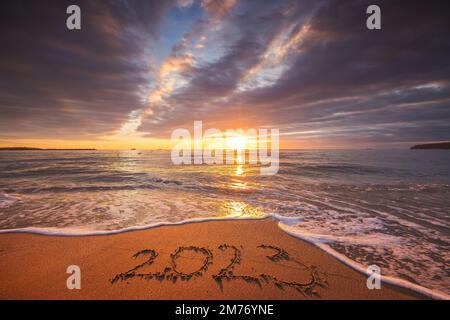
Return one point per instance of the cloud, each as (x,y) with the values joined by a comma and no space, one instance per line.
(310,68)
(218,8)
(314,65)
(57,82)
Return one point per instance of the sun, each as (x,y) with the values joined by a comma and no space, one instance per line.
(236,143)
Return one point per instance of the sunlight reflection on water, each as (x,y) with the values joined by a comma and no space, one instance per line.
(235,209)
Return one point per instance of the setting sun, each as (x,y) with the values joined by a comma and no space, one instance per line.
(236,143)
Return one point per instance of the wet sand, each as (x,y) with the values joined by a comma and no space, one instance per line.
(242,259)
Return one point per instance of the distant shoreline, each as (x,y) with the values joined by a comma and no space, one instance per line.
(428,146)
(40,149)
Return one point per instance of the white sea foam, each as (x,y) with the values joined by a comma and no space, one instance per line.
(83,232)
(7,200)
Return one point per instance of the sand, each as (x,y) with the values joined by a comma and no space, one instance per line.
(242,259)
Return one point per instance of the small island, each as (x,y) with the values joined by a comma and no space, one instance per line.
(428,146)
(33,149)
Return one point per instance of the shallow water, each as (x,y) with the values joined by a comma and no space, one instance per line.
(385,207)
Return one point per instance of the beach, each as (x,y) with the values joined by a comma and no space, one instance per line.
(225,259)
(225,149)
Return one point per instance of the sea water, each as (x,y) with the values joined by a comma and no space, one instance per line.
(390,208)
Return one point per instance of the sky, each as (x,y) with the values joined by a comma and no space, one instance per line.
(137,70)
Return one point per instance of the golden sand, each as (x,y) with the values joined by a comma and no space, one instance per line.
(205,260)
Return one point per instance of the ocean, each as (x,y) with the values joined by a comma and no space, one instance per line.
(389,208)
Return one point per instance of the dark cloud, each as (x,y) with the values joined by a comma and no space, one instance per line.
(381,70)
(58,83)
(342,77)
(250,27)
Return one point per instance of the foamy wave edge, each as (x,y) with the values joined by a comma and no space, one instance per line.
(434,294)
(284,223)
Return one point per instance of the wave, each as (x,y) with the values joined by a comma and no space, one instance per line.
(93,188)
(7,200)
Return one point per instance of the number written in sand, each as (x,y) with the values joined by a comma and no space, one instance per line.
(173,271)
(208,256)
(227,273)
(306,288)
(133,272)
(169,273)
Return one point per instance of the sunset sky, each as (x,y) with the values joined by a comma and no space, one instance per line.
(140,69)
